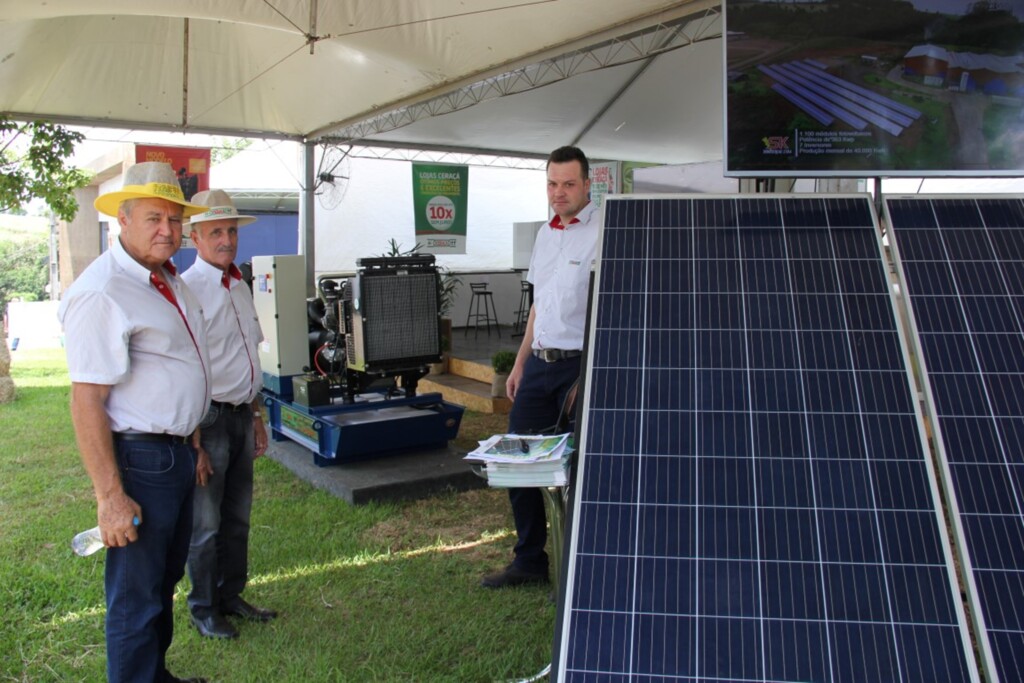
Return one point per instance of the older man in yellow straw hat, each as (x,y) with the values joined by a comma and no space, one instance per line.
(140,384)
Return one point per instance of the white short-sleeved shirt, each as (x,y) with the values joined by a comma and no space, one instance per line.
(232,332)
(120,331)
(560,273)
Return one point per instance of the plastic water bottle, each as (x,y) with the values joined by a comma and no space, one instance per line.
(89,541)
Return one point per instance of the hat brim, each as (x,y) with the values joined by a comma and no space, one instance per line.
(242,220)
(110,202)
(186,228)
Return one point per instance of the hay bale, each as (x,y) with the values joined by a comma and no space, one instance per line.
(5,359)
(6,383)
(6,389)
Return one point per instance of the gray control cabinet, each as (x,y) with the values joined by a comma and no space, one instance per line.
(279,292)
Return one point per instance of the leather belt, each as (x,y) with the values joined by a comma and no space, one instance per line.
(231,406)
(158,438)
(552,355)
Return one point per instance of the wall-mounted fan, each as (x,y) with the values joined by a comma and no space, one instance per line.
(332,175)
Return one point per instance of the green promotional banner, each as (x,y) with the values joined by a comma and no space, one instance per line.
(439,197)
(627,174)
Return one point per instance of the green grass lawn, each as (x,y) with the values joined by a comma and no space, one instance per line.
(369,593)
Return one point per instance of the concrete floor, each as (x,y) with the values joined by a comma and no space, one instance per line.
(408,476)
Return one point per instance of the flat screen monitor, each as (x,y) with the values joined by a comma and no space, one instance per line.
(874,88)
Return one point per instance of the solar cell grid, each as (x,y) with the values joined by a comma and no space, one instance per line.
(752,501)
(961,259)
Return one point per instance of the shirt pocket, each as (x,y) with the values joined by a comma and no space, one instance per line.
(571,274)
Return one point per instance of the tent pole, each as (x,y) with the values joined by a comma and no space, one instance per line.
(307,241)
(184,78)
(312,26)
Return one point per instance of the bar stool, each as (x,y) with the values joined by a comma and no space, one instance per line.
(480,294)
(523,312)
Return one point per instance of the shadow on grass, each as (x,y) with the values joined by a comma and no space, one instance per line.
(413,616)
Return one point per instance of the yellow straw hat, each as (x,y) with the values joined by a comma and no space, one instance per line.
(148,179)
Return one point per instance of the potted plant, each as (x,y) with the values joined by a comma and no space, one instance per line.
(447,287)
(395,249)
(441,367)
(502,363)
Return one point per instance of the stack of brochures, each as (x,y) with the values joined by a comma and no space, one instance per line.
(511,460)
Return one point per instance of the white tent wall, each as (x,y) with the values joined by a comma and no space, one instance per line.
(378,206)
(265,165)
(34,324)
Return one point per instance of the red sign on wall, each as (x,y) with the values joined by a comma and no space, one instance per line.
(192,164)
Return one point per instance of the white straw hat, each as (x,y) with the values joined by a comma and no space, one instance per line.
(220,208)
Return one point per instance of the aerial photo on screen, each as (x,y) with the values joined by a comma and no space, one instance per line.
(874,87)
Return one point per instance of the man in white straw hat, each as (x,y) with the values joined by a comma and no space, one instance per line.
(140,384)
(233,433)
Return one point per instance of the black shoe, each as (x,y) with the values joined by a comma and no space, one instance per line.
(512,576)
(168,678)
(240,608)
(214,626)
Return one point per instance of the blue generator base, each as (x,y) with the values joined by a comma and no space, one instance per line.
(372,426)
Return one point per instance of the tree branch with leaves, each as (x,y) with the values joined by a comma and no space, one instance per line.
(33,165)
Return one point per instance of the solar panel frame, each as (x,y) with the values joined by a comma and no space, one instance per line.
(605,344)
(930,260)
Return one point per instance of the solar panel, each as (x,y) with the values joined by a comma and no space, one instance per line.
(962,262)
(890,109)
(752,500)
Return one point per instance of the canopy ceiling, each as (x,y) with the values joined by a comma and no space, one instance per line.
(637,80)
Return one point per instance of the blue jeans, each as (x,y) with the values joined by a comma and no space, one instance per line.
(140,577)
(218,559)
(538,405)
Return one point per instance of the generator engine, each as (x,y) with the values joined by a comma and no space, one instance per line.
(378,330)
(340,372)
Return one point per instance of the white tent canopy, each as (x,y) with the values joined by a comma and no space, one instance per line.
(307,69)
(670,113)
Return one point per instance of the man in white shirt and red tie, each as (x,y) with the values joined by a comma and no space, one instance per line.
(548,362)
(140,384)
(232,432)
